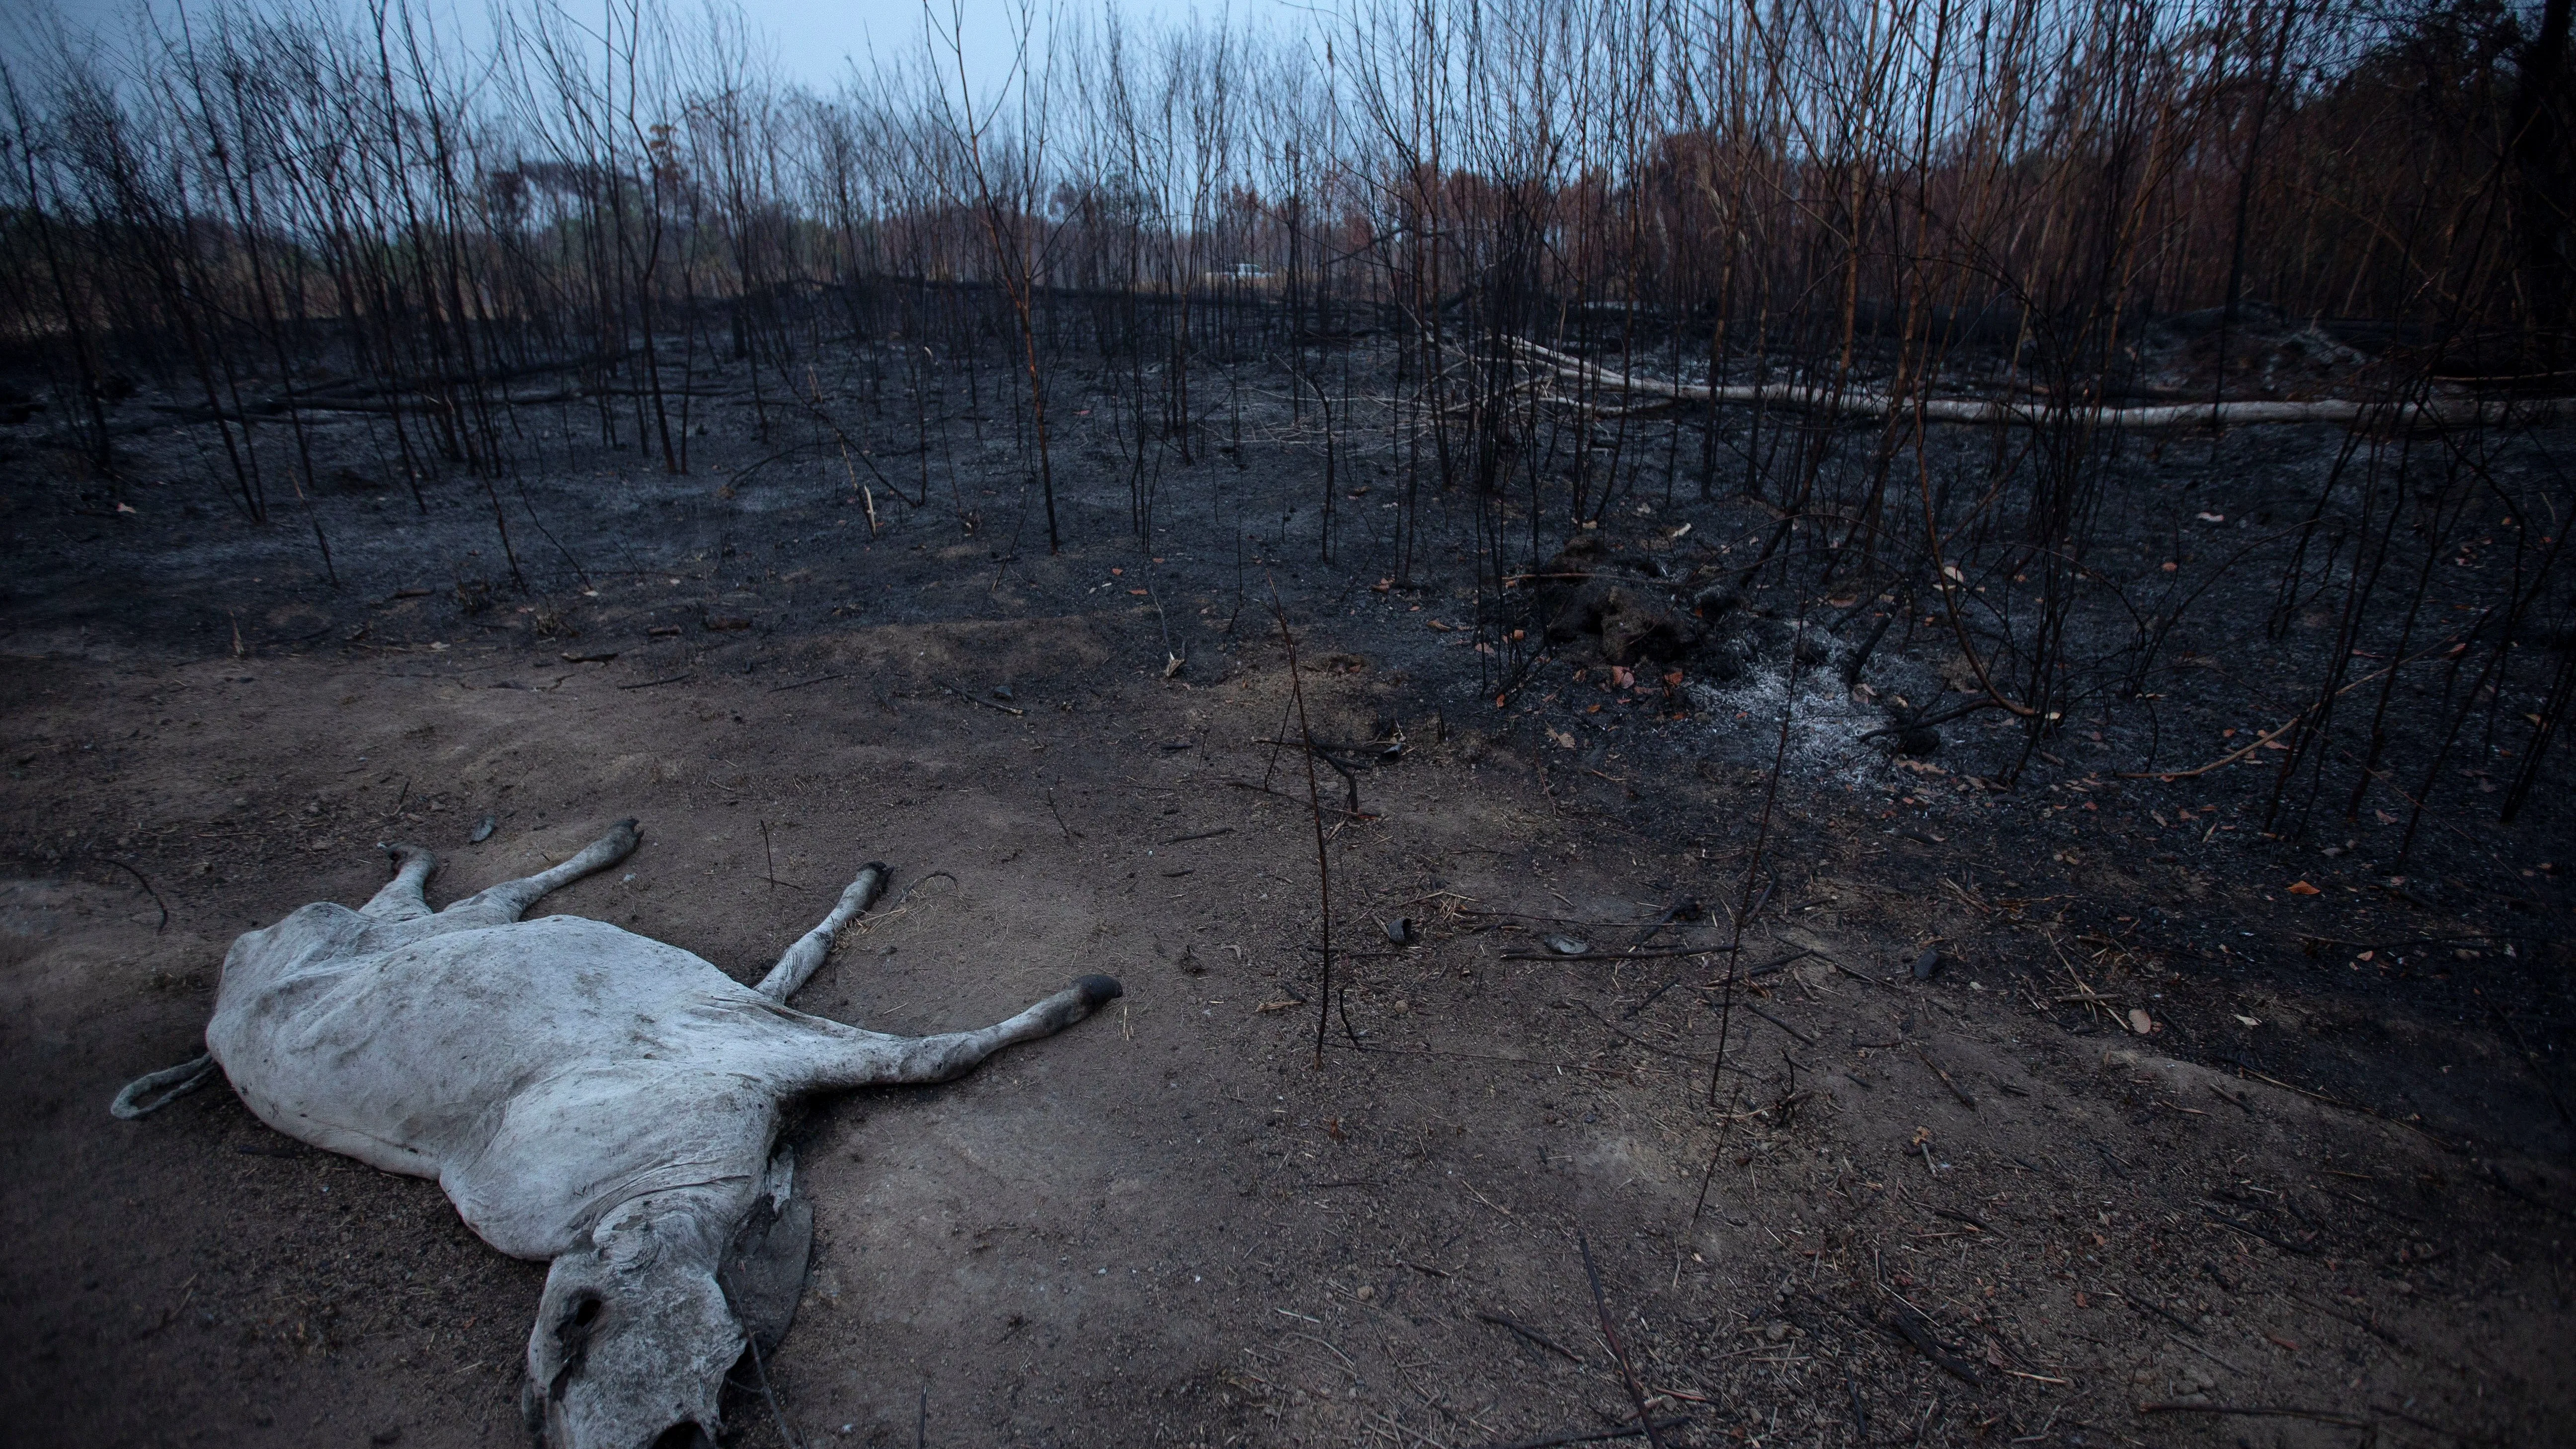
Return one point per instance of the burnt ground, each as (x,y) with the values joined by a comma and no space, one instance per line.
(2187,1116)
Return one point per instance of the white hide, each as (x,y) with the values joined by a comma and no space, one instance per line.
(583,1094)
(509,1062)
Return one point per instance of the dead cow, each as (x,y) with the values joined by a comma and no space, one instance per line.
(585,1096)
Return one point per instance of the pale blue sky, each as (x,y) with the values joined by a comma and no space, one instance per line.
(812,41)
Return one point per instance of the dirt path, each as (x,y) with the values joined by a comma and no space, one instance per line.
(1931,1213)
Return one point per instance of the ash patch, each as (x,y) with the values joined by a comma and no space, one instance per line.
(1827,724)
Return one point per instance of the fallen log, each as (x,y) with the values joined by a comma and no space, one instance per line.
(2446,412)
(418,403)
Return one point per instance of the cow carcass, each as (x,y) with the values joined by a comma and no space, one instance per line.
(585,1096)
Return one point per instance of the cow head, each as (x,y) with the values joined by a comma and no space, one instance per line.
(634,1336)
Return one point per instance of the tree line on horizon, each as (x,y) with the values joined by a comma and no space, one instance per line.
(271,209)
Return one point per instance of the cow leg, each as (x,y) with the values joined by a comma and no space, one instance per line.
(806,957)
(891,1060)
(505,902)
(401,900)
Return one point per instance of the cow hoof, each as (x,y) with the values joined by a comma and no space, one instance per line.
(1098,991)
(874,875)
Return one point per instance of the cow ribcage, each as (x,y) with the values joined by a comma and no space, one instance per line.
(543,1070)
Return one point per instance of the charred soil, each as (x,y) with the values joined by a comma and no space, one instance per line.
(1910,1071)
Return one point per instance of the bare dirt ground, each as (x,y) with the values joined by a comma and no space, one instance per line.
(2160,1138)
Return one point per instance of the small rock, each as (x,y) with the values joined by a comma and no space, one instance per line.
(1400,930)
(1367,1292)
(483,829)
(1568,946)
(1927,965)
(2140,1022)
(1777,1332)
(1003,691)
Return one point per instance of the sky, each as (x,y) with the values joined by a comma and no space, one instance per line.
(811,41)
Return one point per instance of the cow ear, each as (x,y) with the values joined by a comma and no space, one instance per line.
(763,1272)
(763,1269)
